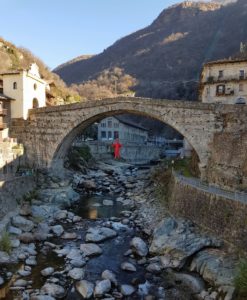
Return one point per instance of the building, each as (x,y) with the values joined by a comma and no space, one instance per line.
(224,82)
(20,91)
(120,127)
(26,88)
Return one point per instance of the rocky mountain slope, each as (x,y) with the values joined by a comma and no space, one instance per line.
(165,59)
(14,58)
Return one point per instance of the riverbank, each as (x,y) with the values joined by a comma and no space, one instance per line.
(104,234)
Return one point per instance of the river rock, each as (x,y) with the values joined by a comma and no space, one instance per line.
(102,287)
(20,282)
(139,247)
(76,273)
(90,249)
(61,215)
(97,235)
(154,268)
(74,254)
(53,290)
(14,230)
(177,240)
(215,267)
(127,289)
(69,236)
(88,184)
(4,258)
(26,237)
(78,262)
(31,261)
(57,230)
(126,266)
(76,219)
(24,273)
(85,288)
(47,271)
(41,297)
(15,243)
(22,223)
(1,280)
(25,210)
(107,202)
(107,274)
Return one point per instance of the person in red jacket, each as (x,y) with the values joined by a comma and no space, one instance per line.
(117,146)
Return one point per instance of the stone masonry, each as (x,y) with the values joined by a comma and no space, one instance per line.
(49,132)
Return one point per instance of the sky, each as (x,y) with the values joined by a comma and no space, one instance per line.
(59,30)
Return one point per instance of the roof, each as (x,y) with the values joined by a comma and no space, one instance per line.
(125,121)
(3,97)
(12,72)
(225,61)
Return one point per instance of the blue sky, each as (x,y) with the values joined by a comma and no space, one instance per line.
(59,30)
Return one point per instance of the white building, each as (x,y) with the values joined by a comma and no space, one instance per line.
(119,127)
(26,88)
(224,82)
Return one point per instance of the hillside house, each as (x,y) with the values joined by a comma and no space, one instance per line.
(224,82)
(119,127)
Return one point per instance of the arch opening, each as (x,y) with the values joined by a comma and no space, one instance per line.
(84,132)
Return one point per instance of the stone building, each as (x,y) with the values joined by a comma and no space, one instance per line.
(119,127)
(224,82)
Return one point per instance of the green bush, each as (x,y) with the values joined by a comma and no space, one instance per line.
(240,280)
(5,243)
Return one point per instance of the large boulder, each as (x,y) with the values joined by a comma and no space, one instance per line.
(97,235)
(102,287)
(22,223)
(90,249)
(176,240)
(138,246)
(76,273)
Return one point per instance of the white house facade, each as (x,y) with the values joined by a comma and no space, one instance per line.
(26,88)
(118,127)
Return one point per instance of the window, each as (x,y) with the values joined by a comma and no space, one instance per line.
(116,125)
(220,90)
(208,91)
(116,134)
(103,134)
(35,103)
(241,74)
(15,85)
(110,124)
(221,74)
(103,124)
(35,86)
(241,87)
(109,134)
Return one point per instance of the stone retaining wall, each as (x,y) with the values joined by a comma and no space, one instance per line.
(12,190)
(130,152)
(225,218)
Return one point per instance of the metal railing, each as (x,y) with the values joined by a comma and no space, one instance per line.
(212,189)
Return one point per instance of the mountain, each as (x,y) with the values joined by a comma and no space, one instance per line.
(164,60)
(14,58)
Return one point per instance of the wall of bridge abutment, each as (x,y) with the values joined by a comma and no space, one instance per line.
(48,133)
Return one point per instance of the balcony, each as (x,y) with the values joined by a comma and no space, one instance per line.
(3,112)
(219,79)
(3,126)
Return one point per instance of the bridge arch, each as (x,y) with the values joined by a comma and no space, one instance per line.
(50,131)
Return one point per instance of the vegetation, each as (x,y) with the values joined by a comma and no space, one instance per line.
(108,84)
(241,280)
(5,243)
(14,58)
(79,157)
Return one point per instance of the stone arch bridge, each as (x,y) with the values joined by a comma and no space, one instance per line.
(49,131)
